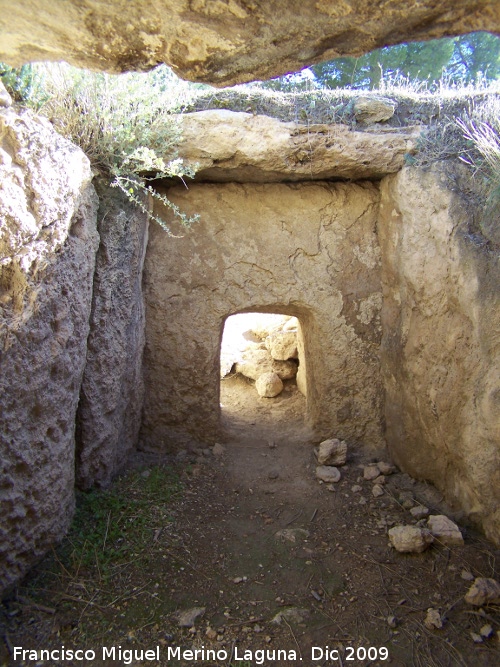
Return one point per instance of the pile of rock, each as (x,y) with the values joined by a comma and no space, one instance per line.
(271,357)
(331,454)
(378,473)
(417,538)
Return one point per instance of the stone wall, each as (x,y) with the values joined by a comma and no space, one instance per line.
(48,241)
(441,344)
(109,411)
(392,292)
(308,250)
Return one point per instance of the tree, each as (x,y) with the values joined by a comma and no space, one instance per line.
(462,59)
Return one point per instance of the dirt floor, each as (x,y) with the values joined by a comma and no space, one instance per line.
(262,558)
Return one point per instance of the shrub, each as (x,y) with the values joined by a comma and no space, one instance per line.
(127,124)
(481,128)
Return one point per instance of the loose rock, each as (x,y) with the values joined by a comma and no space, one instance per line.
(486,631)
(377,491)
(332,452)
(483,591)
(188,617)
(433,620)
(269,385)
(419,512)
(445,531)
(292,534)
(292,615)
(386,468)
(256,361)
(380,480)
(373,109)
(371,472)
(282,346)
(328,474)
(410,539)
(218,449)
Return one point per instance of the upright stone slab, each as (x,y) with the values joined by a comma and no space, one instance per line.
(109,412)
(308,250)
(441,343)
(48,241)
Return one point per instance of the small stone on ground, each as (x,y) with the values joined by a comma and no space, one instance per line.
(410,539)
(328,474)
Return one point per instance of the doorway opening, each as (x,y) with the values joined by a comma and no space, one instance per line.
(262,372)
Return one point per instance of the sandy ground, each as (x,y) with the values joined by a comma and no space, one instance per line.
(329,580)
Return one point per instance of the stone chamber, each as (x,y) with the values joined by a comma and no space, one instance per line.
(110,330)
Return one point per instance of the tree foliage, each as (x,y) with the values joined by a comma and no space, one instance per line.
(458,60)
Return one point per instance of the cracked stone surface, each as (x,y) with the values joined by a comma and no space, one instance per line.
(233,146)
(109,410)
(441,348)
(225,41)
(308,250)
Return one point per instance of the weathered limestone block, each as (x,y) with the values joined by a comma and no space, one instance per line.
(269,385)
(234,146)
(440,347)
(109,411)
(410,539)
(445,530)
(228,41)
(308,250)
(254,362)
(48,241)
(332,452)
(483,591)
(328,474)
(283,345)
(369,110)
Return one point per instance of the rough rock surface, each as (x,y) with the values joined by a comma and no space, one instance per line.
(373,109)
(371,472)
(410,539)
(445,530)
(282,346)
(332,452)
(256,361)
(235,146)
(227,41)
(440,347)
(483,591)
(328,474)
(433,619)
(109,411)
(48,241)
(5,98)
(308,250)
(269,385)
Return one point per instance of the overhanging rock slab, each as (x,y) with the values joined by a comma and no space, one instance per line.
(240,147)
(224,41)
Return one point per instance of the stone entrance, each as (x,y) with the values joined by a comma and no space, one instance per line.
(309,250)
